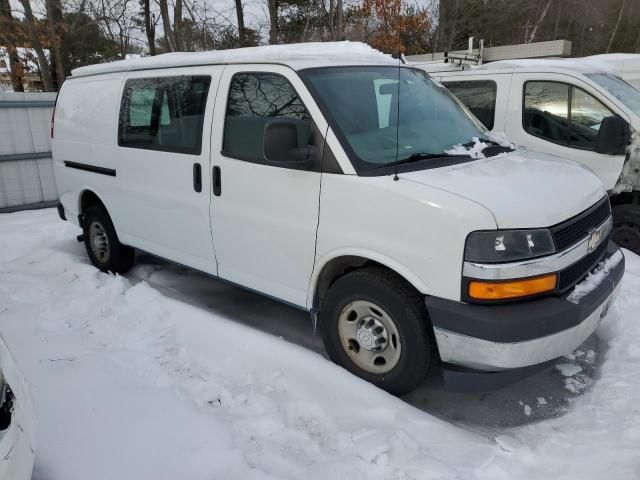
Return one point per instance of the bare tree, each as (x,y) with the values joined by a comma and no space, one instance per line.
(539,22)
(339,20)
(117,21)
(615,29)
(36,44)
(149,26)
(241,28)
(9,37)
(273,21)
(54,26)
(332,10)
(177,26)
(166,25)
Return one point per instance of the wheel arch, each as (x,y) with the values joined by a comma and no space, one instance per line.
(88,198)
(340,263)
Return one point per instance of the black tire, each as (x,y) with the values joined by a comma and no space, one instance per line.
(626,227)
(112,256)
(403,304)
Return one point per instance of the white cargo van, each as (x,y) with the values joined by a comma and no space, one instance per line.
(322,175)
(578,109)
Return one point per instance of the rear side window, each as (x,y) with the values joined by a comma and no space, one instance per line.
(563,114)
(254,99)
(479,96)
(165,113)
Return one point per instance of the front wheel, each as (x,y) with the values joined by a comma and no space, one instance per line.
(101,241)
(375,325)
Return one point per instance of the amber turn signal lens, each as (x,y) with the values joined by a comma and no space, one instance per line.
(503,290)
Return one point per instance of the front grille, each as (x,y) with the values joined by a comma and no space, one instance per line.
(577,228)
(576,272)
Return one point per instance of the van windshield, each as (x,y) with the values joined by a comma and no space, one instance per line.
(385,114)
(620,89)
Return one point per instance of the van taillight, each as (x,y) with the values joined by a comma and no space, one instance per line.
(53,119)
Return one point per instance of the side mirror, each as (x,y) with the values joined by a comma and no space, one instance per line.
(613,136)
(281,143)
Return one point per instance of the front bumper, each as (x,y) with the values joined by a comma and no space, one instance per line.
(494,338)
(17,439)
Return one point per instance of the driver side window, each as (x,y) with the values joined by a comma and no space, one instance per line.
(254,99)
(562,114)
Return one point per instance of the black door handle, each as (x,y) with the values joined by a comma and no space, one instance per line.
(217,182)
(197,177)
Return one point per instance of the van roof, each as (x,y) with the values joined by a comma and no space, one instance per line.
(296,56)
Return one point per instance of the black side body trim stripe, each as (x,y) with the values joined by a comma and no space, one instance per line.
(111,172)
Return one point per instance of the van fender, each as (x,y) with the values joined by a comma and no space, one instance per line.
(370,255)
(78,203)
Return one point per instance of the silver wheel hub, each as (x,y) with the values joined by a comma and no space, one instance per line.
(369,336)
(99,241)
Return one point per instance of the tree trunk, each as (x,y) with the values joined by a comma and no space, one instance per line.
(54,23)
(558,15)
(454,26)
(615,29)
(149,27)
(585,16)
(339,20)
(539,22)
(17,69)
(177,25)
(241,28)
(332,11)
(36,44)
(166,24)
(273,21)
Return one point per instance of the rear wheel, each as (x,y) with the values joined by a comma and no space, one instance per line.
(626,227)
(375,325)
(101,241)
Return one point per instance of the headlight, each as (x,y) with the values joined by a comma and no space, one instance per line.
(499,246)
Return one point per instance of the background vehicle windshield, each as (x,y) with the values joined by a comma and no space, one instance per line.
(619,89)
(379,125)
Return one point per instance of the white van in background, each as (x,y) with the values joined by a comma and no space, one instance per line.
(322,175)
(578,109)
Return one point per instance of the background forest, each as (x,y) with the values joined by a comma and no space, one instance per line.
(48,38)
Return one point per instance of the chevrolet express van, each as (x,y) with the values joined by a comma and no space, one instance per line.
(324,175)
(580,109)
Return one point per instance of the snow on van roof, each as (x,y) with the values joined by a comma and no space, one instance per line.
(296,56)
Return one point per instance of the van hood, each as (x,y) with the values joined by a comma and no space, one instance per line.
(522,189)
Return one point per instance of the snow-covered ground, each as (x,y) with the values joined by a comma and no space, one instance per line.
(165,374)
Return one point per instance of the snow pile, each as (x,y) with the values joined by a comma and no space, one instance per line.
(476,150)
(594,278)
(129,382)
(501,139)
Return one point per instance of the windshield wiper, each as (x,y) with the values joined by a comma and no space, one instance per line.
(415,157)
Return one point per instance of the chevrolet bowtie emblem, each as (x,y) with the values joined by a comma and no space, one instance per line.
(594,241)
